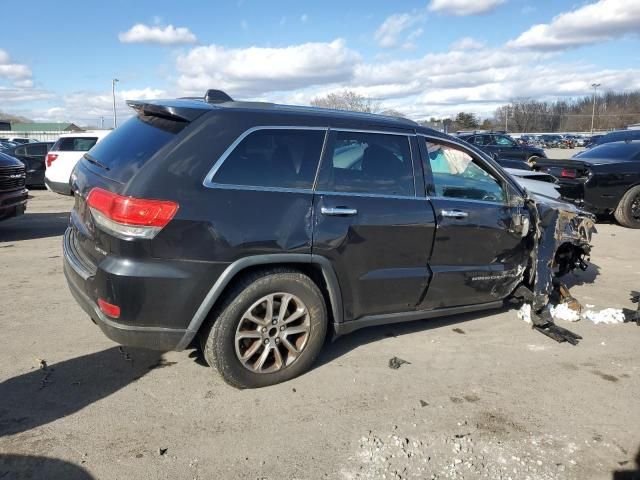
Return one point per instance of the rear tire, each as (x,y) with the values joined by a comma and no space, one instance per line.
(532,160)
(250,323)
(628,211)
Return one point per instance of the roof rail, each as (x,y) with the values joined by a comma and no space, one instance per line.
(216,96)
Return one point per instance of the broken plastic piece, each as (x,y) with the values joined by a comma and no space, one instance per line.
(396,363)
(557,333)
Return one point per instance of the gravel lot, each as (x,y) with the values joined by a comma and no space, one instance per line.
(483,396)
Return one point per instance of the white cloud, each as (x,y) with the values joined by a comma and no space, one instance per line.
(464,7)
(387,35)
(169,35)
(16,72)
(589,24)
(467,43)
(253,70)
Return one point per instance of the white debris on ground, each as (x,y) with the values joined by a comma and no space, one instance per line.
(608,315)
(562,311)
(525,313)
(467,454)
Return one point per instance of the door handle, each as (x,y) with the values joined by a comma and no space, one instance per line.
(338,211)
(454,214)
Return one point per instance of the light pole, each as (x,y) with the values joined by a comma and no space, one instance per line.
(593,111)
(113,94)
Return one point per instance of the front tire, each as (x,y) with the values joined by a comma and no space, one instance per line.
(628,211)
(270,329)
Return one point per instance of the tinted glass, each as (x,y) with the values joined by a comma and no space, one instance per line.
(455,175)
(617,150)
(125,150)
(274,158)
(369,163)
(74,144)
(20,150)
(36,149)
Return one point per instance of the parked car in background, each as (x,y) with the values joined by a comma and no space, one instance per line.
(616,136)
(13,193)
(6,145)
(592,140)
(225,222)
(22,140)
(503,149)
(64,155)
(33,156)
(604,179)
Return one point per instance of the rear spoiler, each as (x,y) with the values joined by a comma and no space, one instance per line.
(184,111)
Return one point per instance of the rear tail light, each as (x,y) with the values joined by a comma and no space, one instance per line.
(51,158)
(568,173)
(109,309)
(129,217)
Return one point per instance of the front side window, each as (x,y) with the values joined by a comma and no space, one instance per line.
(373,163)
(504,141)
(276,158)
(457,175)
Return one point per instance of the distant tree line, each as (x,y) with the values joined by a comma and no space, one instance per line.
(613,111)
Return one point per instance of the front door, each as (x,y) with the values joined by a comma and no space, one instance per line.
(479,253)
(371,225)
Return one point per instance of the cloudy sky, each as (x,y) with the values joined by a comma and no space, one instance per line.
(424,58)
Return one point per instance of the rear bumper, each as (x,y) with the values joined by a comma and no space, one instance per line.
(80,280)
(58,187)
(13,204)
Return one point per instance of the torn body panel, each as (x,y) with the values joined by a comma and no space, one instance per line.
(561,235)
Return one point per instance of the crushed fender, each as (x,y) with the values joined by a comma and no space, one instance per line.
(560,237)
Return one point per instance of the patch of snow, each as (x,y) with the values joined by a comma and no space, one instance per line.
(524,313)
(608,315)
(563,312)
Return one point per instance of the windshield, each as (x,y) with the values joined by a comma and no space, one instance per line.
(617,150)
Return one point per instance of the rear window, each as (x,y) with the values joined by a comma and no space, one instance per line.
(74,144)
(125,150)
(617,150)
(280,158)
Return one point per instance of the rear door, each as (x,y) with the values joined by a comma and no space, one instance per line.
(370,223)
(508,148)
(479,253)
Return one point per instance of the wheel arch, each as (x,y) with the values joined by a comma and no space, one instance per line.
(317,267)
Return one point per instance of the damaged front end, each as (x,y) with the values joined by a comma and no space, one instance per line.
(559,237)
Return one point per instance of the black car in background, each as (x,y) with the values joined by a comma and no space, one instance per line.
(604,179)
(33,156)
(258,229)
(13,193)
(616,136)
(503,149)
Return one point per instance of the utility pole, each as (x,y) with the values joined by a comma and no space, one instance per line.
(113,93)
(101,121)
(506,119)
(593,111)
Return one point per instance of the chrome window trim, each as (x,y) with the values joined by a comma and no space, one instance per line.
(371,195)
(484,202)
(378,132)
(208,179)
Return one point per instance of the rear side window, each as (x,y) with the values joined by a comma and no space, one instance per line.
(125,150)
(74,144)
(278,158)
(36,149)
(369,163)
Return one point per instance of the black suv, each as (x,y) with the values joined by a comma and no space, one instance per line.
(32,155)
(258,228)
(13,194)
(504,149)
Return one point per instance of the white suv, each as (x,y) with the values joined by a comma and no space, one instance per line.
(64,155)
